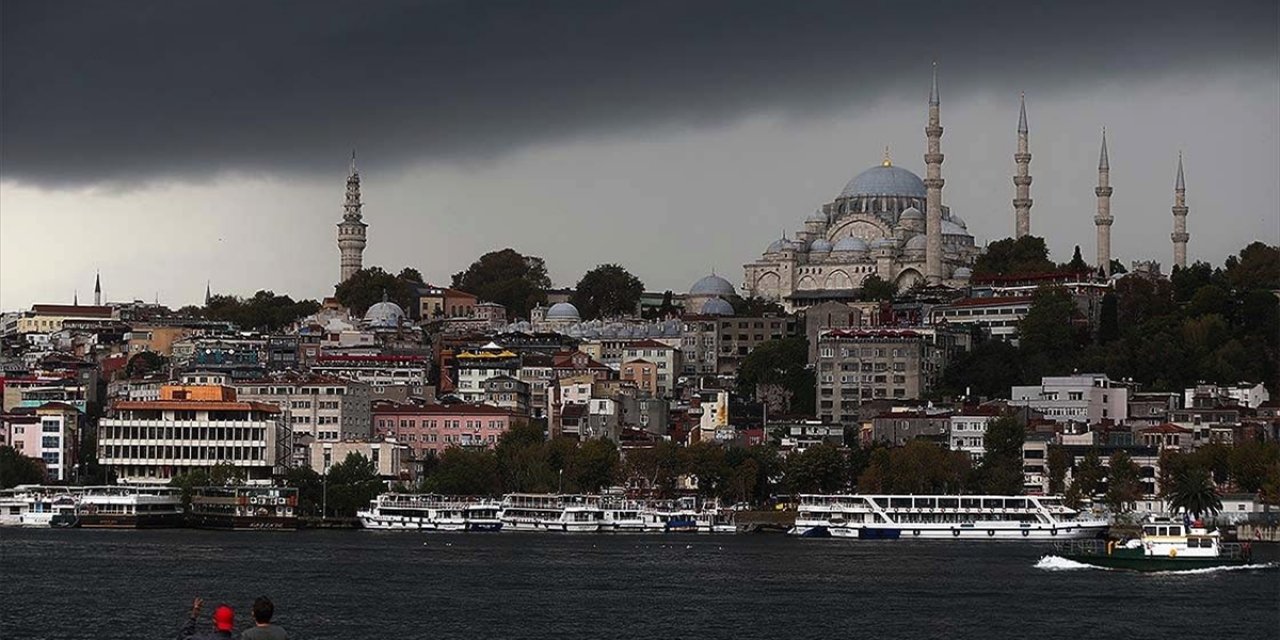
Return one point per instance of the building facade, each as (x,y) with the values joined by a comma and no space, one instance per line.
(856,366)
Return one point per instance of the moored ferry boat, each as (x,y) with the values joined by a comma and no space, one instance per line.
(244,508)
(1165,545)
(130,507)
(429,512)
(39,506)
(966,517)
(622,516)
(551,512)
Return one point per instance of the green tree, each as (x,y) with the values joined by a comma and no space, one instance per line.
(754,307)
(311,489)
(372,285)
(1124,484)
(1025,255)
(1258,267)
(818,469)
(989,370)
(654,468)
(516,281)
(1059,462)
(1049,337)
(782,362)
(706,463)
(144,363)
(265,311)
(1195,493)
(874,288)
(1108,319)
(1185,281)
(1250,462)
(608,290)
(1077,263)
(1087,480)
(16,469)
(1001,469)
(595,466)
(352,484)
(466,472)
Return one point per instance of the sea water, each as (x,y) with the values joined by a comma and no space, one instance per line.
(363,584)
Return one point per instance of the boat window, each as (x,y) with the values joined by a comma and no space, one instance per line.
(948,503)
(1151,531)
(899,503)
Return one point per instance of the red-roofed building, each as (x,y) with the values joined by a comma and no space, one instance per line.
(1166,436)
(665,359)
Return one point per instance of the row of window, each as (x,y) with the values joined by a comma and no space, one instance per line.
(412,423)
(180,452)
(129,432)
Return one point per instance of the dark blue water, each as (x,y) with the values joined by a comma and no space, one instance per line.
(359,584)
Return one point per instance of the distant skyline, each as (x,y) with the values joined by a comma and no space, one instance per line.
(169,145)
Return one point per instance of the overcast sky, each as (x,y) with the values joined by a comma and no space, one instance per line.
(167,144)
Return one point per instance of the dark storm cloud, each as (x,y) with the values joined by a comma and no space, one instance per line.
(96,92)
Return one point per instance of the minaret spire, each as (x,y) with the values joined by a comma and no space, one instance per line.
(75,298)
(1103,219)
(97,289)
(208,293)
(1180,210)
(1022,180)
(933,187)
(351,231)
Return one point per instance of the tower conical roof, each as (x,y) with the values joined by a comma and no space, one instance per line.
(1102,156)
(1022,115)
(1182,183)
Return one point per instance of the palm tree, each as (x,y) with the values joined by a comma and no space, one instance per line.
(1195,493)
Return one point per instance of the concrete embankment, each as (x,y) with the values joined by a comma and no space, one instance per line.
(311,522)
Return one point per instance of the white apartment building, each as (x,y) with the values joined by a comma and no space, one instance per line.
(665,358)
(968,431)
(375,370)
(191,427)
(1087,398)
(998,317)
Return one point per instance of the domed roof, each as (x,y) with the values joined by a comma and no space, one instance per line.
(821,245)
(950,228)
(917,243)
(963,273)
(817,216)
(885,180)
(717,307)
(713,285)
(850,243)
(562,311)
(384,314)
(911,213)
(959,221)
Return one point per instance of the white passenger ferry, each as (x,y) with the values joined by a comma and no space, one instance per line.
(551,512)
(129,507)
(975,517)
(430,512)
(622,516)
(39,506)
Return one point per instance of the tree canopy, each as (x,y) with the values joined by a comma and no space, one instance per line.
(1024,255)
(16,469)
(607,291)
(367,287)
(507,277)
(874,288)
(265,311)
(782,362)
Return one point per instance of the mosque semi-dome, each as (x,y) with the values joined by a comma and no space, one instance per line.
(850,243)
(821,245)
(917,243)
(911,213)
(563,311)
(885,180)
(963,273)
(713,285)
(817,216)
(717,307)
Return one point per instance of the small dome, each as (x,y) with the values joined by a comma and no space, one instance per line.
(959,221)
(717,307)
(884,243)
(963,273)
(917,243)
(911,213)
(821,245)
(816,216)
(563,311)
(713,285)
(384,314)
(950,228)
(885,180)
(850,243)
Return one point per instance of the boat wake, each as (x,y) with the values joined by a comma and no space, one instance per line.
(1058,563)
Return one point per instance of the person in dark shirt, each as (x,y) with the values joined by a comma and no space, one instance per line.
(263,609)
(224,620)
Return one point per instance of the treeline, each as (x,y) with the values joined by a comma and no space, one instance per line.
(1218,325)
(264,311)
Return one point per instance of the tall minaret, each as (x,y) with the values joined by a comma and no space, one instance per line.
(351,231)
(933,184)
(1180,235)
(208,292)
(1022,181)
(1103,219)
(97,289)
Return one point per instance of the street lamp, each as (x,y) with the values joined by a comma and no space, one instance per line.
(324,494)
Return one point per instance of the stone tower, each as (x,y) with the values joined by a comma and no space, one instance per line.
(97,280)
(1180,235)
(351,231)
(933,189)
(1022,180)
(1103,219)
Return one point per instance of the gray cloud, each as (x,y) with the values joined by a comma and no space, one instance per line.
(111,93)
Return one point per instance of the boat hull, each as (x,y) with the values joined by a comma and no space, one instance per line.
(149,521)
(242,523)
(1153,563)
(936,532)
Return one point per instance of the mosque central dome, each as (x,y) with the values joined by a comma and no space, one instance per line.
(885,180)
